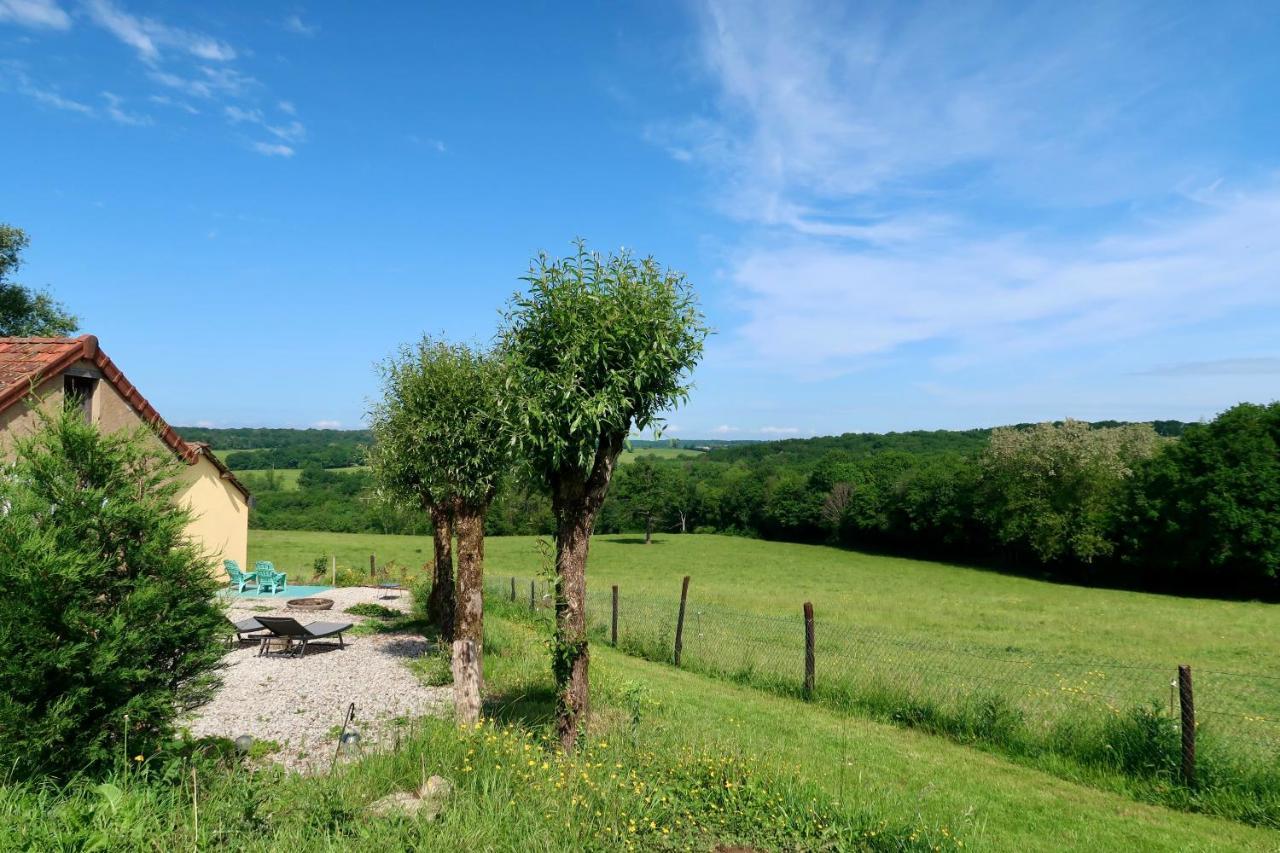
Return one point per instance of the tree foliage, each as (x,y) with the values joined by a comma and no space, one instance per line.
(25,312)
(1052,490)
(596,347)
(108,619)
(1207,509)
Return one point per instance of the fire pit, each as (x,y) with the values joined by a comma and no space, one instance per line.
(311,604)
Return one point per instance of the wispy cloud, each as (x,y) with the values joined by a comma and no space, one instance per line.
(436,145)
(13,75)
(294,24)
(725,429)
(271,149)
(1262,366)
(933,177)
(167,101)
(776,430)
(150,37)
(288,131)
(327,425)
(116,112)
(193,66)
(37,14)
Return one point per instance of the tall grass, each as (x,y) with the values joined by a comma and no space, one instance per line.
(1134,748)
(514,791)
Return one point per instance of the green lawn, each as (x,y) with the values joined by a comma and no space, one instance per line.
(888,594)
(901,777)
(289,476)
(1046,673)
(629,456)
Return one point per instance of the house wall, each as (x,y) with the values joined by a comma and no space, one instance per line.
(221,514)
(221,511)
(21,419)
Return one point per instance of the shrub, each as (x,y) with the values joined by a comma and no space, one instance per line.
(377,611)
(108,618)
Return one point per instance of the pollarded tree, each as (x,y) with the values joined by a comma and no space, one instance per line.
(440,441)
(596,347)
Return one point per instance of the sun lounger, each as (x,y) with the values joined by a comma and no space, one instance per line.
(247,627)
(288,628)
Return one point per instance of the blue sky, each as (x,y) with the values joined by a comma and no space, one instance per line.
(897,216)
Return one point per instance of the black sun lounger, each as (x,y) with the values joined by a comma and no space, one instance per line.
(247,626)
(288,628)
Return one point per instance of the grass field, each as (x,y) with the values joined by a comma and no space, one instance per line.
(289,476)
(888,594)
(670,761)
(1044,672)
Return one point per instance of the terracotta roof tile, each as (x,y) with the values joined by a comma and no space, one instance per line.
(25,360)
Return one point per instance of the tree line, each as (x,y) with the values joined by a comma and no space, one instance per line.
(1115,504)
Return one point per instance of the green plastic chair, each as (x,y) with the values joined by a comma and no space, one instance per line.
(269,580)
(235,577)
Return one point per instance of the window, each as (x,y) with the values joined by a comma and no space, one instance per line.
(80,388)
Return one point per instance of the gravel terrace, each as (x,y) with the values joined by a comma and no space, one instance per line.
(298,702)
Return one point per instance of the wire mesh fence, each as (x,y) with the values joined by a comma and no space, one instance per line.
(1032,700)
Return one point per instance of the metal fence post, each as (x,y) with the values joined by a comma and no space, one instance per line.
(613,634)
(684,594)
(1187,702)
(808,650)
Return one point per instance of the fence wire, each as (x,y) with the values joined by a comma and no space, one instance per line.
(924,680)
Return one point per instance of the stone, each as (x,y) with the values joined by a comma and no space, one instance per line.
(401,802)
(433,795)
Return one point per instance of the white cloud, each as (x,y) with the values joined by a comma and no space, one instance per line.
(294,24)
(327,425)
(208,82)
(116,112)
(272,149)
(435,144)
(206,424)
(13,74)
(775,430)
(149,37)
(292,131)
(1258,366)
(287,108)
(725,429)
(867,148)
(37,14)
(165,100)
(821,307)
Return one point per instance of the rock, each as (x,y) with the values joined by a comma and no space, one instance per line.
(433,795)
(429,801)
(401,802)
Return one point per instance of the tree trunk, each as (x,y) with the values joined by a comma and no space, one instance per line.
(683,526)
(468,622)
(648,529)
(576,502)
(440,604)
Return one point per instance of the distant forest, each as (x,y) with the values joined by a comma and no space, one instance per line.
(1164,505)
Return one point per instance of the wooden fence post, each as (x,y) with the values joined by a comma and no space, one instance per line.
(808,650)
(373,567)
(513,588)
(684,594)
(533,586)
(614,631)
(1187,703)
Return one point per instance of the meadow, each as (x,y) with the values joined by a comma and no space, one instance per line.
(672,760)
(1069,678)
(288,477)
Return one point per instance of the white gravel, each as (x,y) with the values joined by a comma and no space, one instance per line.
(300,701)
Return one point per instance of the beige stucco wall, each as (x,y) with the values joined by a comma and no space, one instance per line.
(221,514)
(221,511)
